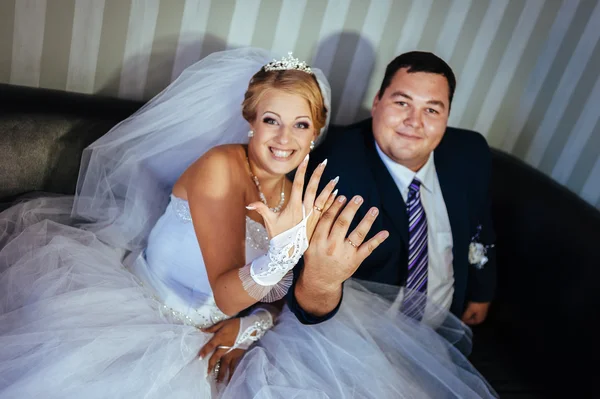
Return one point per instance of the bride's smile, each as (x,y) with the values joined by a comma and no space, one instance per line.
(281,154)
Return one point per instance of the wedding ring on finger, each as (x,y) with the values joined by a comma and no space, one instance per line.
(318,209)
(223,347)
(351,243)
(217,368)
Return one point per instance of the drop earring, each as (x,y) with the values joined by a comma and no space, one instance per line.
(251,133)
(312,145)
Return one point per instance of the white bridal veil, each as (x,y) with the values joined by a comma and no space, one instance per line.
(127,174)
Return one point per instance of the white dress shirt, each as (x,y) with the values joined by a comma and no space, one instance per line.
(440,274)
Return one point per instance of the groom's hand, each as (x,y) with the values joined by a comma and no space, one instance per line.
(475,313)
(332,257)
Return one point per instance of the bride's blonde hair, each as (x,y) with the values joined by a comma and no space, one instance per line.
(290,81)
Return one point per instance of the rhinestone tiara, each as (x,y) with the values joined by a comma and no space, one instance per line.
(286,63)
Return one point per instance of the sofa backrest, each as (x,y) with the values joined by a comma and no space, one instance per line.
(548,254)
(548,238)
(43,133)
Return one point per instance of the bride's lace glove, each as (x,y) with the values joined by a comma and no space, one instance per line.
(269,277)
(227,351)
(254,326)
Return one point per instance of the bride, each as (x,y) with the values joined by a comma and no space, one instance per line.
(172,259)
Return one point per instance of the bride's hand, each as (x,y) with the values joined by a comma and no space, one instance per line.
(225,334)
(278,222)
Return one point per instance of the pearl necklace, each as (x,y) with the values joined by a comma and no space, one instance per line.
(262,196)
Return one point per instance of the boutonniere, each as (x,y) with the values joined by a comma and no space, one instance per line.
(478,251)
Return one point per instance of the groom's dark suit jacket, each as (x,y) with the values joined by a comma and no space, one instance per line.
(463,165)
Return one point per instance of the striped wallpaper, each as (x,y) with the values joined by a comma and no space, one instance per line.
(528,70)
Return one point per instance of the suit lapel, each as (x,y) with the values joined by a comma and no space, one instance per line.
(455,198)
(391,199)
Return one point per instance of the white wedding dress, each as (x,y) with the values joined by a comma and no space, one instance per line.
(74,322)
(101,295)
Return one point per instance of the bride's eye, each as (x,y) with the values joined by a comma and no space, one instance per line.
(269,121)
(302,125)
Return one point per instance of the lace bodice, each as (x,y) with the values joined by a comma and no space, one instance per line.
(173,264)
(257,239)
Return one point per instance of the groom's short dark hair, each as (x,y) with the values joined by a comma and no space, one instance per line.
(419,61)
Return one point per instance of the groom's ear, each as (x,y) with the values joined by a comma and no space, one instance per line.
(375,102)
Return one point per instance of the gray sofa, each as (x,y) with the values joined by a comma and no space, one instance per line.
(540,333)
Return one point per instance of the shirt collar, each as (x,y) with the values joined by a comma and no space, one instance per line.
(403,176)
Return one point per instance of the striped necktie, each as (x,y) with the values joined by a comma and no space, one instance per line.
(417,238)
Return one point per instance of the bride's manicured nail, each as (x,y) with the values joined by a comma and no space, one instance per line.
(337,179)
(341,198)
(335,193)
(251,208)
(306,158)
(357,200)
(324,162)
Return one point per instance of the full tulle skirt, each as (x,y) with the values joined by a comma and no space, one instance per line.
(76,323)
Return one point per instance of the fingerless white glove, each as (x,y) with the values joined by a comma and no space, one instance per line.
(254,326)
(269,277)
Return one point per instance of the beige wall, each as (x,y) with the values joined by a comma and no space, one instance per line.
(527,69)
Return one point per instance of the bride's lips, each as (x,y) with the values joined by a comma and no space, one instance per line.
(281,154)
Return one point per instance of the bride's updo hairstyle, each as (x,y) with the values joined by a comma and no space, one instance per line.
(291,81)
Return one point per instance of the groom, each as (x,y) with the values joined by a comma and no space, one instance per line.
(404,154)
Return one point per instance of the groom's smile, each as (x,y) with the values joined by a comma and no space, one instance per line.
(409,136)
